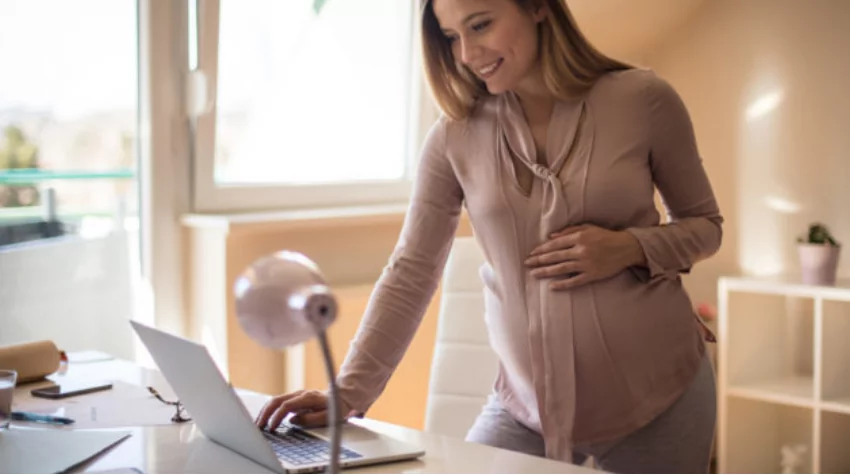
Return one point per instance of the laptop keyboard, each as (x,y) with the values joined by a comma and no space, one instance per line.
(299,448)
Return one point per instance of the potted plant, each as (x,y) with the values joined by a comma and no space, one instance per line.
(819,252)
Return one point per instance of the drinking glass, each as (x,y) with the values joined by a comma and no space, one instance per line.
(7,389)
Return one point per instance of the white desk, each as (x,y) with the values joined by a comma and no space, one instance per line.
(165,447)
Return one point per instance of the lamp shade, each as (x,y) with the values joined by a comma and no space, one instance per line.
(282,300)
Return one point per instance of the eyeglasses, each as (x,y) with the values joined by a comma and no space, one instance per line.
(178,416)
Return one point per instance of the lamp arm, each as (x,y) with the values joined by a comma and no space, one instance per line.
(334,416)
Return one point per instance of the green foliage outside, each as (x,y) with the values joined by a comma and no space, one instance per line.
(318,4)
(18,152)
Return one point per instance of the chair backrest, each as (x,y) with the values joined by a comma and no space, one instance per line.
(464,366)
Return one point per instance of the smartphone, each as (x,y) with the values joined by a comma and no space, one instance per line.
(69,389)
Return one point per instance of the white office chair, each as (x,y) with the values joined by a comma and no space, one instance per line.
(464,366)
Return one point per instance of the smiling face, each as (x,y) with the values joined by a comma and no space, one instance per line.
(496,40)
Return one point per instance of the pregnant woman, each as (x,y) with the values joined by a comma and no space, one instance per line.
(556,151)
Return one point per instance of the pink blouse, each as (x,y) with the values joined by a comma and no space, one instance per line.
(586,365)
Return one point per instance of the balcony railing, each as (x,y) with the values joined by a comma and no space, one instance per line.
(31,176)
(28,223)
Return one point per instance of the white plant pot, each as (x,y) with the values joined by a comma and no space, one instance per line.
(818,263)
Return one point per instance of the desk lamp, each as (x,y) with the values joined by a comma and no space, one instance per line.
(283,300)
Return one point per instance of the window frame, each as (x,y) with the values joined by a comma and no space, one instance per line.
(164,159)
(211,197)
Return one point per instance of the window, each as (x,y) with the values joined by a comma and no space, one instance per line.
(68,134)
(312,105)
(68,107)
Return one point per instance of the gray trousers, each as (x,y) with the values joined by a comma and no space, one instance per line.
(678,441)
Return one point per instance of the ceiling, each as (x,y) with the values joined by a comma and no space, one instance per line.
(628,29)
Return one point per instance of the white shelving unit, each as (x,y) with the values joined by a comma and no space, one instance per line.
(783,374)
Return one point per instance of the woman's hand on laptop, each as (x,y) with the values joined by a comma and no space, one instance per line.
(308,407)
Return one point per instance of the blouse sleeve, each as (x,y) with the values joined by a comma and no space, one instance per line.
(409,280)
(694,231)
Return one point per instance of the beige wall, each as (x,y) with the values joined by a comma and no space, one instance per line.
(767,83)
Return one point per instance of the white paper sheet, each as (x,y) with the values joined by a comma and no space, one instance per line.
(125,405)
(52,451)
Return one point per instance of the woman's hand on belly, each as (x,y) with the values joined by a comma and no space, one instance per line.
(582,254)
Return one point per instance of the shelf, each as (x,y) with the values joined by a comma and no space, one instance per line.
(795,391)
(760,432)
(783,374)
(837,405)
(835,430)
(789,286)
(835,388)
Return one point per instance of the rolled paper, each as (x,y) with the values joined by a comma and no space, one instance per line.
(32,361)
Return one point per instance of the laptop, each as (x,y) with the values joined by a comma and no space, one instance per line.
(222,418)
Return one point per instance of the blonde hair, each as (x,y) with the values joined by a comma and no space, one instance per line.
(570,64)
